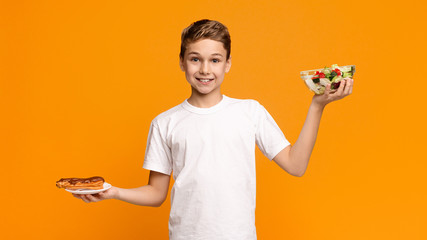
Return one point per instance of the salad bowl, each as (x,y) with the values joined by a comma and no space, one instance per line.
(317,79)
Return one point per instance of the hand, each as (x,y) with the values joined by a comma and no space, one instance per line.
(345,89)
(111,193)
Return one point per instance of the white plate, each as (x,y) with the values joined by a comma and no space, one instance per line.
(90,191)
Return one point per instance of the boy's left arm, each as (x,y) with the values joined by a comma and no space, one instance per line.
(294,159)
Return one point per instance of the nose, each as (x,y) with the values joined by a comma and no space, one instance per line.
(204,68)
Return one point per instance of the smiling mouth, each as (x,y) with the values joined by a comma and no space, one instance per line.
(204,80)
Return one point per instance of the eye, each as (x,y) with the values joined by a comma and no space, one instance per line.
(194,59)
(215,60)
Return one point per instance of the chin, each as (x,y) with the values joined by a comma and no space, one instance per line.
(203,91)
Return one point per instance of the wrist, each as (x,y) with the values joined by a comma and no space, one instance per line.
(116,193)
(317,106)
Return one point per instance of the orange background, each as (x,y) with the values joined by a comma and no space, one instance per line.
(80,82)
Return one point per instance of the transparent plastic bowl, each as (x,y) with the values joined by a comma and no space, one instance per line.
(319,88)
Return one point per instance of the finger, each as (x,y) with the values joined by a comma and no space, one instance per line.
(92,198)
(97,197)
(85,199)
(340,88)
(328,89)
(76,195)
(348,86)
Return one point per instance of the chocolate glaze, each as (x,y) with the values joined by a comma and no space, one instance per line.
(73,181)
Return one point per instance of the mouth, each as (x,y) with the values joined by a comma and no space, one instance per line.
(205,80)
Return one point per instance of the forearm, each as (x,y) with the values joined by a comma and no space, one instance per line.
(294,159)
(144,196)
(300,152)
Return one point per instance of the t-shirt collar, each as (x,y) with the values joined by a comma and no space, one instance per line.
(198,110)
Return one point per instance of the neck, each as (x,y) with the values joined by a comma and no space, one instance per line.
(205,100)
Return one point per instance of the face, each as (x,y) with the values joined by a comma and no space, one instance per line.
(205,65)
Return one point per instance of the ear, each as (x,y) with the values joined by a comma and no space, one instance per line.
(228,65)
(181,64)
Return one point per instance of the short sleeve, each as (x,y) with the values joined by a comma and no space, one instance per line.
(157,154)
(269,138)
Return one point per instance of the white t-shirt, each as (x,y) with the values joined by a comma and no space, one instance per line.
(211,152)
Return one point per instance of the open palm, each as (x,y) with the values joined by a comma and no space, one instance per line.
(108,194)
(345,89)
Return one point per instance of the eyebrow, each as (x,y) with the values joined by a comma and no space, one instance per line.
(215,54)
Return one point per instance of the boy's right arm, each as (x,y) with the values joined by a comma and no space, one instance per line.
(153,194)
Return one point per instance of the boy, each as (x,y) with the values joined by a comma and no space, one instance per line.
(208,142)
